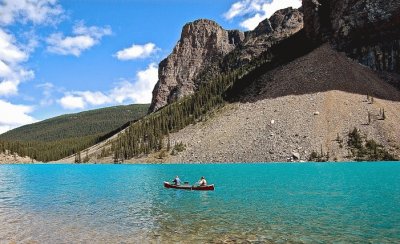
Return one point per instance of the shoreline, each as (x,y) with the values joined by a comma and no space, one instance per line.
(195,163)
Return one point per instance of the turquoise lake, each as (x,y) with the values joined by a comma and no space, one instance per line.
(253,203)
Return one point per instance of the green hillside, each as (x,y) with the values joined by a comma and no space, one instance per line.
(64,135)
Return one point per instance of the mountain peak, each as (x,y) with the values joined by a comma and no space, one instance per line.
(198,26)
(288,20)
(202,45)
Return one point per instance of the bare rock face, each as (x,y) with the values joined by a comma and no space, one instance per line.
(281,25)
(205,49)
(367,30)
(202,45)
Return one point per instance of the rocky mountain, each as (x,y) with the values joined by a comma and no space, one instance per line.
(281,25)
(202,44)
(367,30)
(307,105)
(205,49)
(292,90)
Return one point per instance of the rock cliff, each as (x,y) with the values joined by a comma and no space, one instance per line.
(205,49)
(202,44)
(367,30)
(281,25)
(303,98)
(306,105)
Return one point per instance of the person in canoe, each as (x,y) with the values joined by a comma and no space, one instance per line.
(177,181)
(202,181)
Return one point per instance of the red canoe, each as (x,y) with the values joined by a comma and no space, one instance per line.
(189,187)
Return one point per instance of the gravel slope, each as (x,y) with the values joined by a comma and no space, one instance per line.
(296,108)
(7,158)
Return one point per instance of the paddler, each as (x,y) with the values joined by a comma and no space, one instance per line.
(177,181)
(202,181)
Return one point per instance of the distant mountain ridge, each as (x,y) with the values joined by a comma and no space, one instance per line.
(92,122)
(61,136)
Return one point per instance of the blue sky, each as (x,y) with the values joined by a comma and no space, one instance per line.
(65,56)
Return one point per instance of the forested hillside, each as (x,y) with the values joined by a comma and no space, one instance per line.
(147,135)
(64,135)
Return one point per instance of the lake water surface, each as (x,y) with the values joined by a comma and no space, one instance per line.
(298,203)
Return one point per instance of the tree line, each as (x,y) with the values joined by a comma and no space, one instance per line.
(48,151)
(150,133)
(65,135)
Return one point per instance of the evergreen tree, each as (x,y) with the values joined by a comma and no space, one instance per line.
(78,157)
(147,135)
(168,143)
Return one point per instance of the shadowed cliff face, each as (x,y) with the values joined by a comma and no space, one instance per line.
(367,30)
(205,50)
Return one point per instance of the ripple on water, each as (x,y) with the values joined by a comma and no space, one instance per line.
(270,203)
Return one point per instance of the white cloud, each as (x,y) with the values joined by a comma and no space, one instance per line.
(236,9)
(35,11)
(11,72)
(270,8)
(31,41)
(72,102)
(47,90)
(81,99)
(136,51)
(12,53)
(137,91)
(82,39)
(14,116)
(252,12)
(94,31)
(243,7)
(251,23)
(95,98)
(69,45)
(9,51)
(5,70)
(8,88)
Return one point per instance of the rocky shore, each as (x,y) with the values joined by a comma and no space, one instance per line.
(7,158)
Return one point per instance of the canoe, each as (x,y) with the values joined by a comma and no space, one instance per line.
(189,187)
